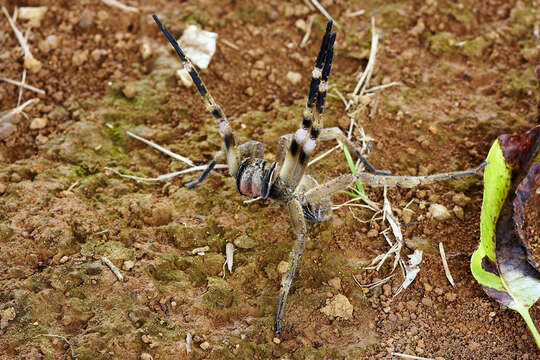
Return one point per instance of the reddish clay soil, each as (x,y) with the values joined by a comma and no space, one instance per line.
(466,74)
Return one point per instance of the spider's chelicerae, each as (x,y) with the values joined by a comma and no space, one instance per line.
(285,180)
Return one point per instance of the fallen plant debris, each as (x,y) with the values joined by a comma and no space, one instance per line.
(503,263)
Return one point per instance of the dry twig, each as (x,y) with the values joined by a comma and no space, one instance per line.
(121,6)
(445,265)
(113,268)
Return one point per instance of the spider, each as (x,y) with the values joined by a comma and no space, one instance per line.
(285,181)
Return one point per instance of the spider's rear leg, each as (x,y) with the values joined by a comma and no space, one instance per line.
(299,226)
(318,211)
(251,148)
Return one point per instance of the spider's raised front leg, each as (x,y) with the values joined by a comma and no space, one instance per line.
(323,191)
(231,150)
(299,226)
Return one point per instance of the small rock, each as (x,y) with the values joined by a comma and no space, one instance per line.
(411,305)
(418,28)
(51,42)
(146,356)
(249,91)
(38,123)
(282,267)
(407,215)
(392,317)
(184,77)
(427,302)
(244,242)
(34,15)
(15,178)
(458,211)
(146,50)
(64,259)
(128,265)
(199,250)
(450,296)
(6,129)
(86,19)
(387,290)
(461,199)
(300,24)
(32,64)
(338,306)
(335,283)
(98,54)
(129,91)
(79,57)
(3,188)
(205,345)
(293,77)
(276,340)
(6,316)
(439,212)
(41,139)
(372,233)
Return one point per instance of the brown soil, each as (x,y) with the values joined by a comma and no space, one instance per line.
(60,211)
(532,226)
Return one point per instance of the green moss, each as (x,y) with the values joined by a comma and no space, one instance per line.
(6,233)
(440,43)
(459,12)
(167,271)
(476,47)
(115,250)
(520,83)
(220,294)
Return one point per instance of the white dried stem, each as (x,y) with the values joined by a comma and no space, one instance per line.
(308,32)
(407,356)
(229,255)
(118,4)
(188,343)
(323,11)
(323,155)
(356,13)
(162,149)
(165,176)
(18,34)
(113,268)
(230,44)
(23,80)
(9,113)
(381,87)
(373,284)
(445,265)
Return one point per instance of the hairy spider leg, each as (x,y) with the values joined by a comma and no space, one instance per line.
(233,156)
(302,146)
(299,226)
(323,191)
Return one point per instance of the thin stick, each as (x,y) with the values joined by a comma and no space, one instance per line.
(162,149)
(60,337)
(326,153)
(121,6)
(323,11)
(18,34)
(308,32)
(23,80)
(356,13)
(373,284)
(445,265)
(166,176)
(380,87)
(7,114)
(26,86)
(406,356)
(113,268)
(309,5)
(230,44)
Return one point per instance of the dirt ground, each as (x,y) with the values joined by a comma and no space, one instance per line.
(466,74)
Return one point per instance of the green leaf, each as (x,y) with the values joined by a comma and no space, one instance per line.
(500,263)
(350,161)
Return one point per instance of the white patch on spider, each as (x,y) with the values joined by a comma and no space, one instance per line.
(309,146)
(322,86)
(316,73)
(223,127)
(187,67)
(300,135)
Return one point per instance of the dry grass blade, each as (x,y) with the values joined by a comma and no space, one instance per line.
(18,35)
(406,356)
(373,284)
(445,265)
(113,268)
(165,176)
(308,32)
(121,6)
(9,113)
(323,11)
(162,149)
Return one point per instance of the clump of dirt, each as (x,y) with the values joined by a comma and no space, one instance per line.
(532,225)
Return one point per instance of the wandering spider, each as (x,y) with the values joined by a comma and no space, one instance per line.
(285,181)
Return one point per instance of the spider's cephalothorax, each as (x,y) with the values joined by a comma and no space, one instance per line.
(285,180)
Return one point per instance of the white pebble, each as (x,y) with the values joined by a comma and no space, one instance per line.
(184,77)
(229,253)
(34,15)
(293,77)
(439,212)
(38,123)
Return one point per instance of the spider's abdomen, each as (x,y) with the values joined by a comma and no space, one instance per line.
(254,177)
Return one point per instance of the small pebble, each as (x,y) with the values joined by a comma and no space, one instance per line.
(461,199)
(338,306)
(183,76)
(3,188)
(34,15)
(6,129)
(244,242)
(200,249)
(335,283)
(205,345)
(439,212)
(276,340)
(372,233)
(129,91)
(31,64)
(282,267)
(79,57)
(293,77)
(407,215)
(458,211)
(15,178)
(146,50)
(38,123)
(64,259)
(128,265)
(146,356)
